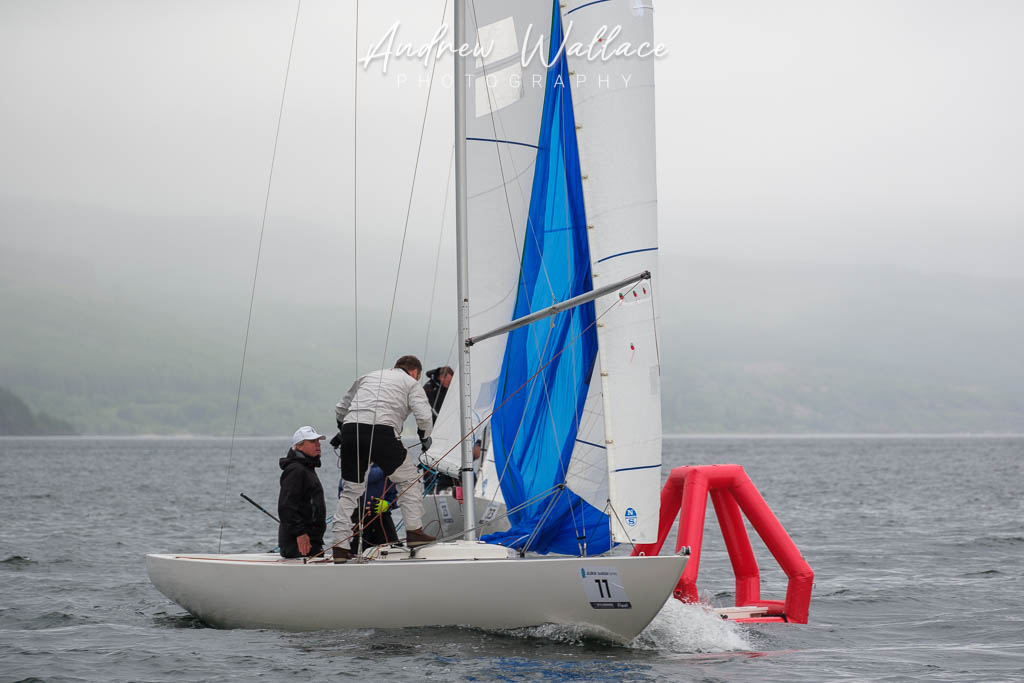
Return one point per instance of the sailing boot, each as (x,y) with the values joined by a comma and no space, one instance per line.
(417,537)
(341,555)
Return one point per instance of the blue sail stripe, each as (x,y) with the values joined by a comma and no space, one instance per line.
(595,445)
(641,467)
(577,9)
(627,253)
(506,142)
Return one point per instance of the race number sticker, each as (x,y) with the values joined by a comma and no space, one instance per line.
(604,589)
(446,513)
(492,512)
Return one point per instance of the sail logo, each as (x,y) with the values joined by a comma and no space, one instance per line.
(630,517)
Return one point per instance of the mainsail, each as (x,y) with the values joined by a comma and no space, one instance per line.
(563,196)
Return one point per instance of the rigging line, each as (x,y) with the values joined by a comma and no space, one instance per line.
(412,484)
(412,194)
(543,519)
(495,120)
(536,499)
(512,395)
(615,515)
(654,326)
(437,259)
(575,314)
(256,271)
(548,337)
(405,231)
(529,380)
(355,236)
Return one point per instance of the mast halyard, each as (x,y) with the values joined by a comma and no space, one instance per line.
(462,255)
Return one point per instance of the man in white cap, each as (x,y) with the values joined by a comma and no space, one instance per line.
(301,506)
(370,417)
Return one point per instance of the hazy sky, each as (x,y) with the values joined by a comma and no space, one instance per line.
(860,131)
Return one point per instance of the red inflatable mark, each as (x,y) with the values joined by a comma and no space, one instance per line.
(731,491)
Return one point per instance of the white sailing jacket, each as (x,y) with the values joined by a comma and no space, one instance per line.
(385,397)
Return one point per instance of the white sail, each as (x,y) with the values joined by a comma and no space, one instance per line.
(503,125)
(615,465)
(614,106)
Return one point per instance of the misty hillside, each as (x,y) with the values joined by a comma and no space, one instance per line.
(791,348)
(17,419)
(151,343)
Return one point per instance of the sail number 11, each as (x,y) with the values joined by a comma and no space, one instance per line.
(604,588)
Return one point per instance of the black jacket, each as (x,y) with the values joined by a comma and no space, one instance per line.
(435,392)
(301,504)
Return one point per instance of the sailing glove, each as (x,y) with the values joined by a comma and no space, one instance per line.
(426,442)
(380,506)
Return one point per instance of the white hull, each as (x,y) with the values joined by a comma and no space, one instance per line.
(265,591)
(442,516)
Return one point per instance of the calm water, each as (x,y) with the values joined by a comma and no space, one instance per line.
(917,546)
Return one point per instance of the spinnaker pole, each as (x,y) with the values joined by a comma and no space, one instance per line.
(462,255)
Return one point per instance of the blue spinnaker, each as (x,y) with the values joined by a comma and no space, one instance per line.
(536,423)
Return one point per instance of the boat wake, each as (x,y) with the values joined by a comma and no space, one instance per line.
(688,628)
(678,628)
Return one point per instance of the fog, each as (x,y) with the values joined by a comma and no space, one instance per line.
(831,153)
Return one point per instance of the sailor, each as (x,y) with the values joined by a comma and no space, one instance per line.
(376,505)
(436,388)
(301,506)
(436,482)
(370,418)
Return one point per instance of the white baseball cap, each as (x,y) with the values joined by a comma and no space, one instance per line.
(306,433)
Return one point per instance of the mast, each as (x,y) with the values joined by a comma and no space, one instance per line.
(462,256)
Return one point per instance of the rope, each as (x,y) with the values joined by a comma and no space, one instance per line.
(408,210)
(256,271)
(523,385)
(401,251)
(615,515)
(355,224)
(541,369)
(654,326)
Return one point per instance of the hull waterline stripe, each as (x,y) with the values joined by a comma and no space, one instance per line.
(506,142)
(627,253)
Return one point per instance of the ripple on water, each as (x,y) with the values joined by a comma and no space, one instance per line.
(17,562)
(990,541)
(987,574)
(55,619)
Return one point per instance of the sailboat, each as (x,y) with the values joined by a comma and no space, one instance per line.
(556,192)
